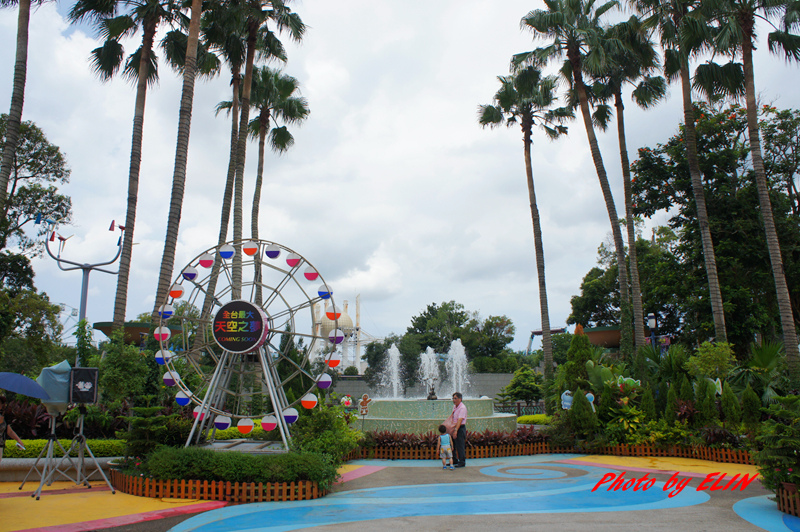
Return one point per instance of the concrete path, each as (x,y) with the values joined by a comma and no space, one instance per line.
(542,492)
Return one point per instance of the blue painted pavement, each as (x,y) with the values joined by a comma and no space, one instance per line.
(533,487)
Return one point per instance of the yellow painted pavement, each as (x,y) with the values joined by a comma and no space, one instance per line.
(683,465)
(55,507)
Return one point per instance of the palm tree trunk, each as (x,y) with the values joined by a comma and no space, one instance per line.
(625,321)
(181,155)
(225,216)
(765,205)
(241,153)
(690,140)
(17,100)
(636,290)
(121,299)
(547,343)
(262,141)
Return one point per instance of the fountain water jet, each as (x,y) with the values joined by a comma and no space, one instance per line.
(456,366)
(421,416)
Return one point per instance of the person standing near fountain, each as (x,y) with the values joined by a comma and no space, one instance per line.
(458,420)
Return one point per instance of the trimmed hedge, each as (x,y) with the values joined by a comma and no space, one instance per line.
(535,419)
(34,447)
(193,463)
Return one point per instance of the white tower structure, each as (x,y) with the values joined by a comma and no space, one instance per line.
(354,336)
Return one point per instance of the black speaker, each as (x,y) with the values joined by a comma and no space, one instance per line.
(83,385)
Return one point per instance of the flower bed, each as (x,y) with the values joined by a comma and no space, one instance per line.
(731,456)
(234,492)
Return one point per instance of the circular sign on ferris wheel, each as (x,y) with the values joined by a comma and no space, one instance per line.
(240,327)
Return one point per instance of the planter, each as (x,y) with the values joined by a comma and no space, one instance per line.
(788,499)
(234,492)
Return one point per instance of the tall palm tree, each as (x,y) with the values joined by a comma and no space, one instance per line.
(258,18)
(17,96)
(573,28)
(736,35)
(181,155)
(525,98)
(115,21)
(683,33)
(274,94)
(224,32)
(631,65)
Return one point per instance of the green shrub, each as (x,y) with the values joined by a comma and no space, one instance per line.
(34,447)
(535,419)
(731,411)
(584,421)
(686,392)
(779,439)
(325,430)
(351,371)
(751,407)
(672,405)
(203,464)
(648,405)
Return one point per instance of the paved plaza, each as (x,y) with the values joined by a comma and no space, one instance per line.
(541,492)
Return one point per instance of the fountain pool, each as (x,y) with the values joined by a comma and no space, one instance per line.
(419,416)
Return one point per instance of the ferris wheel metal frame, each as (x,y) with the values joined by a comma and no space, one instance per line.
(238,344)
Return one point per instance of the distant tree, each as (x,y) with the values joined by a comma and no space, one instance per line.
(38,167)
(123,371)
(525,385)
(439,325)
(351,371)
(711,360)
(16,272)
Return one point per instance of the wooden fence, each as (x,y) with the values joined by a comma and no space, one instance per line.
(788,501)
(234,492)
(730,456)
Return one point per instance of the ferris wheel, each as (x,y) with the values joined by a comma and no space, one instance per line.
(235,336)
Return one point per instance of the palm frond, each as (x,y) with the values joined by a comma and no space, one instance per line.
(280,139)
(787,44)
(601,116)
(649,91)
(107,59)
(131,71)
(713,80)
(92,10)
(490,115)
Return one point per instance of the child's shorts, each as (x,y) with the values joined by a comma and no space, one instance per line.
(446,453)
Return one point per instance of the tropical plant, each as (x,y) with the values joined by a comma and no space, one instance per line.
(736,35)
(525,385)
(525,98)
(763,371)
(573,29)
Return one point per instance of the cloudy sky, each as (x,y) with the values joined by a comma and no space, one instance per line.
(392,190)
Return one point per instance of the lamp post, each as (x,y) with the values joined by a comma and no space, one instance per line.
(652,324)
(86,268)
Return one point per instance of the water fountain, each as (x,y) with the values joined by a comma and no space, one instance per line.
(420,415)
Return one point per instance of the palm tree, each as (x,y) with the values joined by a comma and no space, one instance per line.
(574,29)
(17,96)
(181,154)
(258,17)
(274,95)
(684,32)
(736,34)
(524,98)
(141,66)
(224,32)
(632,65)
